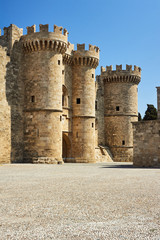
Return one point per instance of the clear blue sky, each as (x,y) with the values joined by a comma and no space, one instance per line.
(126,31)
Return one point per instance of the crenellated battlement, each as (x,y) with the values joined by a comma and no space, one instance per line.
(129,68)
(120,74)
(85,57)
(31,29)
(45,40)
(94,50)
(44,28)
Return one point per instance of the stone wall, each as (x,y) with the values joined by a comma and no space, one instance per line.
(11,34)
(5,111)
(146,143)
(14,90)
(67,98)
(15,98)
(158,101)
(99,105)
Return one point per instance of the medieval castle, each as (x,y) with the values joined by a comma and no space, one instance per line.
(52,109)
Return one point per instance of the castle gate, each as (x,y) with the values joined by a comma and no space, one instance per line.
(66,148)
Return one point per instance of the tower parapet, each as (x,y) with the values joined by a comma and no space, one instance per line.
(45,40)
(86,57)
(121,75)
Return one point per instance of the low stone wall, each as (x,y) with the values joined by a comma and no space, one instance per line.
(103,154)
(146,143)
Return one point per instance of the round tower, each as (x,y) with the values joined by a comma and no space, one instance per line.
(83,103)
(42,78)
(120,109)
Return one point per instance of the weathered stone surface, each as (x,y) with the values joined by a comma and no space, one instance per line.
(146,143)
(5,111)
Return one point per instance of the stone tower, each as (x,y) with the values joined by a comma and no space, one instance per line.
(120,109)
(83,103)
(42,77)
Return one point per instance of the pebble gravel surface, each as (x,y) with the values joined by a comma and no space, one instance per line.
(103,201)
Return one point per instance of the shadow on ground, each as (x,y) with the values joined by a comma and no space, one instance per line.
(126,166)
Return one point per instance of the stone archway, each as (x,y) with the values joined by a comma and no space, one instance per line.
(66,148)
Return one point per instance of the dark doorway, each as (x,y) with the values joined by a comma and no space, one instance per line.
(66,147)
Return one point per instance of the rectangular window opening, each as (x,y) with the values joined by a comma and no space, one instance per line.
(62,72)
(76,134)
(123,142)
(95,105)
(59,62)
(32,98)
(117,108)
(92,75)
(62,100)
(92,125)
(78,100)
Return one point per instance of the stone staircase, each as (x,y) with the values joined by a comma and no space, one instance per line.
(103,154)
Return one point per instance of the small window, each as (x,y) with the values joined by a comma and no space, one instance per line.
(92,75)
(60,118)
(62,72)
(95,105)
(117,108)
(92,125)
(78,100)
(62,100)
(59,62)
(123,142)
(76,134)
(32,98)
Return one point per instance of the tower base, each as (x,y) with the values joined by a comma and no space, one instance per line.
(44,160)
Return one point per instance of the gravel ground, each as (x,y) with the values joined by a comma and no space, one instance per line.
(79,202)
